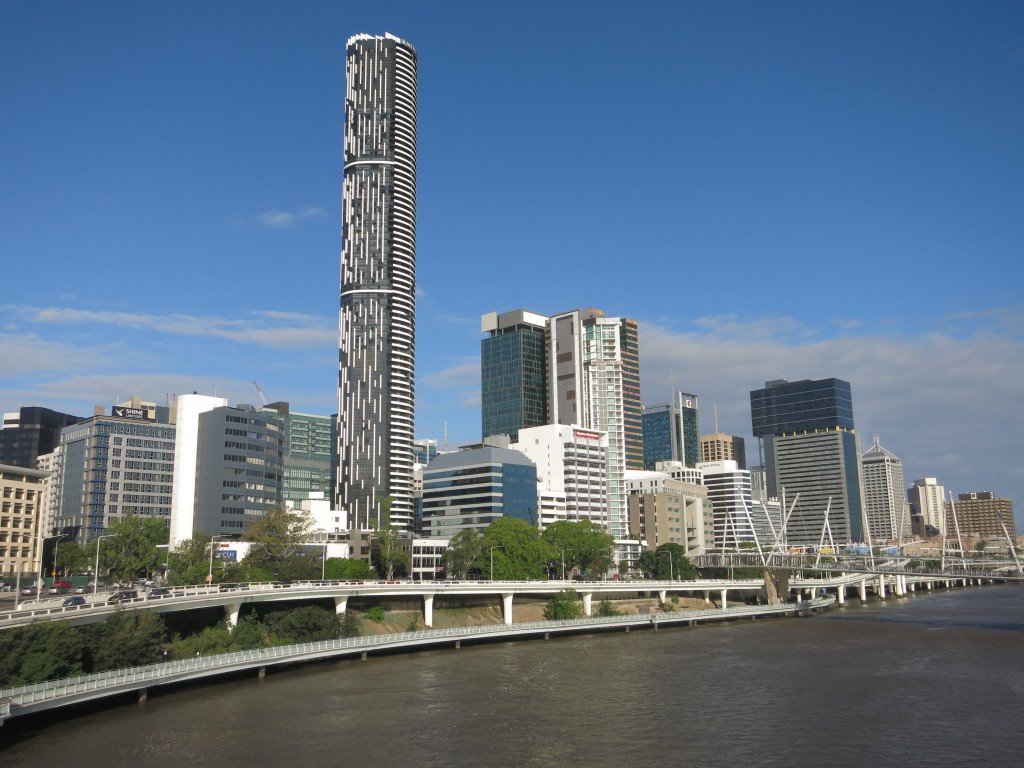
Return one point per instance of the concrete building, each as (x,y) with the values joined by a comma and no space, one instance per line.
(240,469)
(927,507)
(728,489)
(667,511)
(810,448)
(113,466)
(474,487)
(587,357)
(20,538)
(513,377)
(427,563)
(186,410)
(377,318)
(886,511)
(980,514)
(571,465)
(719,447)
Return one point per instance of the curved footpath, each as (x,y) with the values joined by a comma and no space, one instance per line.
(57,693)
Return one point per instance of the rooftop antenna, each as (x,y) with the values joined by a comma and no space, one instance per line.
(446,437)
(716,420)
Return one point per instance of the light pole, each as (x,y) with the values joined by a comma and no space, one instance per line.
(492,560)
(96,570)
(42,565)
(323,566)
(671,572)
(209,576)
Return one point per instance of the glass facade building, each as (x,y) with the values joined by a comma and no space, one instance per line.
(810,448)
(377,317)
(474,487)
(513,380)
(671,432)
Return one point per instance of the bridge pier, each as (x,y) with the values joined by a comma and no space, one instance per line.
(231,611)
(841,594)
(662,595)
(428,610)
(340,605)
(881,587)
(707,596)
(506,608)
(587,603)
(143,695)
(863,590)
(724,604)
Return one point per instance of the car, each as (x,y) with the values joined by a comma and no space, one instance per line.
(125,595)
(73,601)
(283,583)
(159,592)
(29,591)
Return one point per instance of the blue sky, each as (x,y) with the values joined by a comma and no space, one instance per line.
(773,190)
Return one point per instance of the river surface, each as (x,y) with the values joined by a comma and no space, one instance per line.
(930,680)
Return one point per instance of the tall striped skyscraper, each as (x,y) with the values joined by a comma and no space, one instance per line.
(377,319)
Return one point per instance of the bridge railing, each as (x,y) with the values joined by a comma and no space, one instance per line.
(132,677)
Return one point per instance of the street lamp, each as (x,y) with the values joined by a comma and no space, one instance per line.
(96,570)
(492,559)
(209,576)
(671,573)
(42,565)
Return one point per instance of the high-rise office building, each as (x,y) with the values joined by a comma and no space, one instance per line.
(30,433)
(927,507)
(885,510)
(719,447)
(585,385)
(632,406)
(308,454)
(112,466)
(980,514)
(377,318)
(810,448)
(671,432)
(513,381)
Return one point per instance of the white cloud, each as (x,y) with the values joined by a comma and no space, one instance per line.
(281,330)
(285,219)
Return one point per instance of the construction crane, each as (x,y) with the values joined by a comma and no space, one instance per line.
(262,398)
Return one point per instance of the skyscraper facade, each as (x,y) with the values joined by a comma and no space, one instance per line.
(671,432)
(513,382)
(885,511)
(810,449)
(980,514)
(927,507)
(377,318)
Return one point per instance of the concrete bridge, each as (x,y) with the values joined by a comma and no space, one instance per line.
(138,680)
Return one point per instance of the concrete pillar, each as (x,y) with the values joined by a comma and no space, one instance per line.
(428,610)
(143,695)
(881,586)
(724,604)
(814,592)
(586,603)
(841,594)
(341,605)
(707,596)
(231,611)
(262,673)
(863,590)
(506,608)
(662,595)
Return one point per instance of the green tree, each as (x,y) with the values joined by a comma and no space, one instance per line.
(277,538)
(72,558)
(605,608)
(189,561)
(463,551)
(132,552)
(657,564)
(126,639)
(387,552)
(563,605)
(304,624)
(517,550)
(345,569)
(44,650)
(586,545)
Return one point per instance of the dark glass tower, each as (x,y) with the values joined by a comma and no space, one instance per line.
(513,383)
(377,319)
(810,448)
(671,432)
